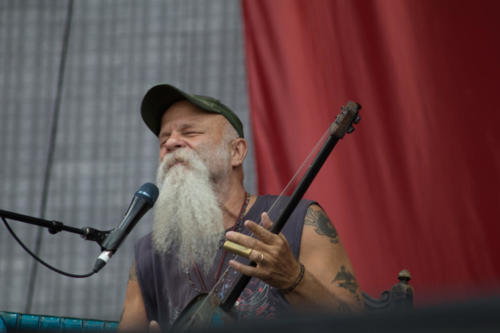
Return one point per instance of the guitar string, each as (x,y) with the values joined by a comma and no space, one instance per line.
(299,170)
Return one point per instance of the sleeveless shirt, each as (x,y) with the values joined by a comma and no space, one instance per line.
(166,290)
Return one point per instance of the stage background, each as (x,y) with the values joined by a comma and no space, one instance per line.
(103,152)
(416,186)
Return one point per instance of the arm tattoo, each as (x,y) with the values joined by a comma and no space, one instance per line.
(132,276)
(317,218)
(347,281)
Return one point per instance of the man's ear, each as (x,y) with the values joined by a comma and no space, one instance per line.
(239,149)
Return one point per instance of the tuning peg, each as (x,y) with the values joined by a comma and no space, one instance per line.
(350,129)
(356,120)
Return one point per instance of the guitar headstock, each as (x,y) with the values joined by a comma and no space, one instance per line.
(345,119)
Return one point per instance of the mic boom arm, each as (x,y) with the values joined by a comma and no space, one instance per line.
(54,227)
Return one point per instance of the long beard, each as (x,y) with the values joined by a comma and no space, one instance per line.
(188,220)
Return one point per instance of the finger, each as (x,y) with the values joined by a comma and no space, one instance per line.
(237,249)
(154,327)
(245,240)
(262,233)
(244,269)
(266,221)
(257,256)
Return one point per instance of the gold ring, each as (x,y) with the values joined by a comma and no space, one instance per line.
(261,258)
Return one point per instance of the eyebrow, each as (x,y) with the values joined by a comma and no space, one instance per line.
(182,127)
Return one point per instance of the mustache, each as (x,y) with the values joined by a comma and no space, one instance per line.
(178,156)
(182,156)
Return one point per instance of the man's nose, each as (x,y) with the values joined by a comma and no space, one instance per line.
(174,142)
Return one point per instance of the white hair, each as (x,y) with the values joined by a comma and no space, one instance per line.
(188,219)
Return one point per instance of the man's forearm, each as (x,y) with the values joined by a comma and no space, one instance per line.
(311,292)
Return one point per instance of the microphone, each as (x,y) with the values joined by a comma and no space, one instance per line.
(143,200)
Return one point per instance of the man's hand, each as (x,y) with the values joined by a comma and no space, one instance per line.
(276,264)
(328,280)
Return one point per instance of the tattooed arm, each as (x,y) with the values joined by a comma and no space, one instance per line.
(133,316)
(329,278)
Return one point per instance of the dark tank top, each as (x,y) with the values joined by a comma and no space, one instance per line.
(166,290)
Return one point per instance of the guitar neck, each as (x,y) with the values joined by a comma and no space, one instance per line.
(295,198)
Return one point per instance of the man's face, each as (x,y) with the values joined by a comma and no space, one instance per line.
(186,126)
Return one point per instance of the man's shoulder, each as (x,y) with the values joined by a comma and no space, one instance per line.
(144,244)
(144,255)
(274,204)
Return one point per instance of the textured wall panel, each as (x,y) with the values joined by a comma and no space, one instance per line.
(103,152)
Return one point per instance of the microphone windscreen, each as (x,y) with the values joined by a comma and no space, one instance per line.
(149,192)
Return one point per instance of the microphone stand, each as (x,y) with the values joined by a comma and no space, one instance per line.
(54,227)
(109,240)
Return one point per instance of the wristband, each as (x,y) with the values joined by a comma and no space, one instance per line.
(296,283)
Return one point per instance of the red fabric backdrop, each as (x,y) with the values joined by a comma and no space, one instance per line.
(416,186)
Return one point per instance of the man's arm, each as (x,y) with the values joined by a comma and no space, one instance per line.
(133,316)
(328,279)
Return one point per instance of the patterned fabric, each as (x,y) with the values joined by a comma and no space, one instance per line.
(167,291)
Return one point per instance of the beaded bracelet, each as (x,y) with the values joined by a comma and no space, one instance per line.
(296,283)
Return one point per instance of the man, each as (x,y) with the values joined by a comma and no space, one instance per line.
(202,201)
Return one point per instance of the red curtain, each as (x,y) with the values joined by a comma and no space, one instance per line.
(417,184)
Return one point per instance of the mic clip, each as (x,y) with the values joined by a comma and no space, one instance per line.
(95,235)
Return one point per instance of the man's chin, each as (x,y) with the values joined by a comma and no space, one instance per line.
(172,172)
(181,164)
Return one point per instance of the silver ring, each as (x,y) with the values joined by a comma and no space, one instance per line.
(261,258)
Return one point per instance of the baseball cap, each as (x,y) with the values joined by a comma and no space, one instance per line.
(159,98)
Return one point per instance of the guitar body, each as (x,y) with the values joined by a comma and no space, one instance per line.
(202,312)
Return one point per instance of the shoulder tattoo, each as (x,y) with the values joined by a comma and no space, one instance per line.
(317,218)
(133,275)
(347,281)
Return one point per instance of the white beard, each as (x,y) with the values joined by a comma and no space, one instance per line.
(188,220)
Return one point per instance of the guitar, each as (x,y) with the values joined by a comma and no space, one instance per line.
(208,308)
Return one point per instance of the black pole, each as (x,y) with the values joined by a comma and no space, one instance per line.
(50,153)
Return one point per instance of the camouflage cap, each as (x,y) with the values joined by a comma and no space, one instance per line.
(159,98)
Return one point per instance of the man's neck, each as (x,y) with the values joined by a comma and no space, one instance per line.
(232,203)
